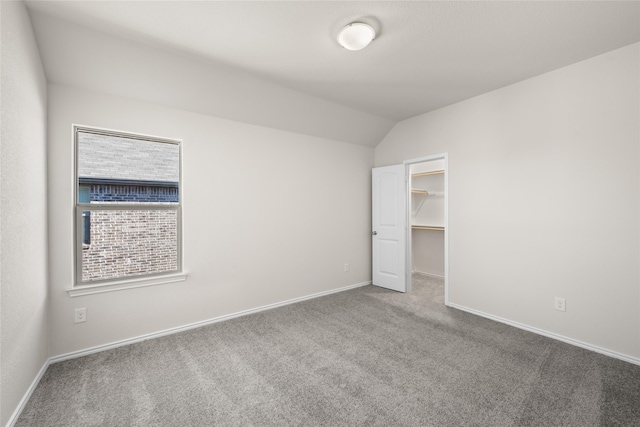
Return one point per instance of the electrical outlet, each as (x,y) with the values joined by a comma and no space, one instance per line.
(346,267)
(559,304)
(81,315)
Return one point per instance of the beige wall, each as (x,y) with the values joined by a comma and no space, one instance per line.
(268,216)
(544,198)
(23,222)
(544,201)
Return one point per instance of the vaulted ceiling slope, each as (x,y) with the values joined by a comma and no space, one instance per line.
(78,56)
(278,64)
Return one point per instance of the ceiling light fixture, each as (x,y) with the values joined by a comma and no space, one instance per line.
(356,36)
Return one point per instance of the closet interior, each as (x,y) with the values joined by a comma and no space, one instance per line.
(428,217)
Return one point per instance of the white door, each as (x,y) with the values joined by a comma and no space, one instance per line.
(389,227)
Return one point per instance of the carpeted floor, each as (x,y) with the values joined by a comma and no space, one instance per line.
(365,357)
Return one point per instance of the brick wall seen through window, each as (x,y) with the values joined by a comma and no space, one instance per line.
(128,207)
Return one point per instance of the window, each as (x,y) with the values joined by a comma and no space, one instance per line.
(128,209)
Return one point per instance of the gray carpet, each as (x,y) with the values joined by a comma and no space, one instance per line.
(365,357)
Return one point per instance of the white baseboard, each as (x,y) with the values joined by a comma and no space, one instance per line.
(626,358)
(428,274)
(175,330)
(14,417)
(96,349)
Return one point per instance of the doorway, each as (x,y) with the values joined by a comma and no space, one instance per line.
(400,210)
(427,219)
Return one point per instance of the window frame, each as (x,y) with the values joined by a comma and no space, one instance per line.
(105,285)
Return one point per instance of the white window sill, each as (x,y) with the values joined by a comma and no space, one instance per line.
(120,285)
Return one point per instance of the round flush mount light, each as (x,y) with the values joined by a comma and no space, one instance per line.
(356,36)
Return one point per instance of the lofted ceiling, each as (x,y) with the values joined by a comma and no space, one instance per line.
(427,54)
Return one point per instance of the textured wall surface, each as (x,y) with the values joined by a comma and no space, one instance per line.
(23,221)
(267,216)
(544,198)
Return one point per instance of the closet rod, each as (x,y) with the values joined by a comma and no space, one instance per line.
(423,227)
(427,173)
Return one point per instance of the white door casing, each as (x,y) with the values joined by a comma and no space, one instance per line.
(389,222)
(409,264)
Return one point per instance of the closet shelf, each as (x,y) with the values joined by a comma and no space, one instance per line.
(427,227)
(419,191)
(427,173)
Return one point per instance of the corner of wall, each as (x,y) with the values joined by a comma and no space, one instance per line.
(24,271)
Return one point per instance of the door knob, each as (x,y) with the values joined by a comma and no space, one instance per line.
(374,233)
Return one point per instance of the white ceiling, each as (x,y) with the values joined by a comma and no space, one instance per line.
(427,54)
